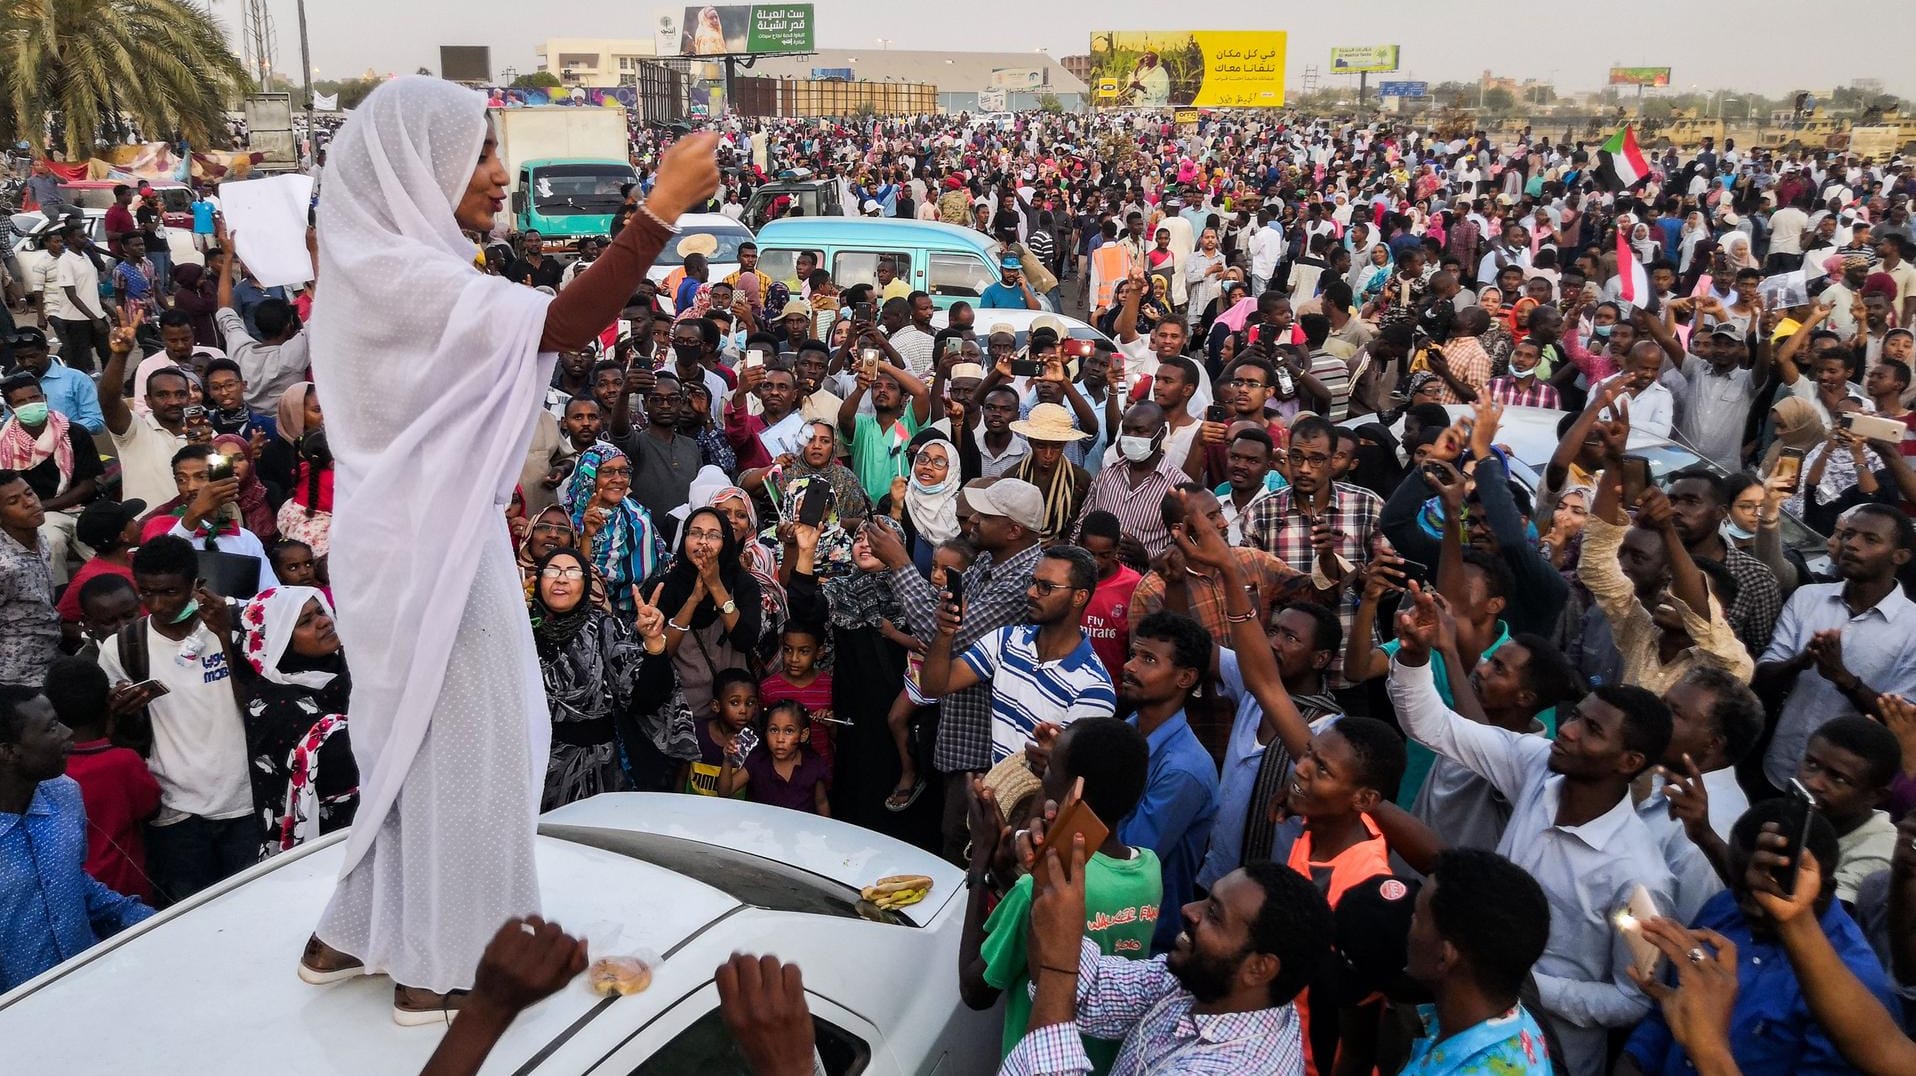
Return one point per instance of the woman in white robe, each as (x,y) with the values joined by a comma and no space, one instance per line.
(436,372)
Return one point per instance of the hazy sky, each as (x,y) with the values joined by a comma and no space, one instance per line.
(1769,46)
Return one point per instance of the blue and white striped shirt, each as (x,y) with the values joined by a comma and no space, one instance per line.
(1025,691)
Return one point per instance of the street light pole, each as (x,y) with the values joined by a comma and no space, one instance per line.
(306,72)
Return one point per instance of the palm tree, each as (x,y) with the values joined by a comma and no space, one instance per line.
(164,64)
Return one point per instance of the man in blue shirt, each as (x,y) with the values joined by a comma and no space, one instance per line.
(1011,292)
(1772,1031)
(1170,654)
(50,909)
(68,391)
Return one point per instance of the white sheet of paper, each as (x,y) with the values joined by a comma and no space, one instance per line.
(267,219)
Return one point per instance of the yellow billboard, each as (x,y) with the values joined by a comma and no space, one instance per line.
(1364,59)
(1188,68)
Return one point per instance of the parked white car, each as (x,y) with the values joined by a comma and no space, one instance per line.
(209,986)
(726,234)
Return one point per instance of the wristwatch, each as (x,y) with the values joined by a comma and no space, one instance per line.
(728,608)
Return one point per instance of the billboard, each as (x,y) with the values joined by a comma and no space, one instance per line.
(992,100)
(1403,89)
(1639,76)
(1017,78)
(1362,59)
(745,28)
(834,74)
(1166,68)
(465,63)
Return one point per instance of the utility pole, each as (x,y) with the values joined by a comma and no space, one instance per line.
(306,73)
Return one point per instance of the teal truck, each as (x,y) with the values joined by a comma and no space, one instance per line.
(567,164)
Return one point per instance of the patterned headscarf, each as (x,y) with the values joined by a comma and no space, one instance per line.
(628,548)
(268,622)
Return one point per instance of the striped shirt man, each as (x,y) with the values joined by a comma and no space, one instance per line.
(1026,690)
(1139,507)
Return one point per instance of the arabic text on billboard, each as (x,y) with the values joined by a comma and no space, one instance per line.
(746,28)
(1017,78)
(1363,59)
(1639,76)
(1403,89)
(1165,68)
(833,74)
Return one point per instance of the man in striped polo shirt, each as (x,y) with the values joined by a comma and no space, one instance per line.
(1042,670)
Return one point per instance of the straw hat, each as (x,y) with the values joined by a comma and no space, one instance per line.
(1048,422)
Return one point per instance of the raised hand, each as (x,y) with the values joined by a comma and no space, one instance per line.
(648,620)
(527,961)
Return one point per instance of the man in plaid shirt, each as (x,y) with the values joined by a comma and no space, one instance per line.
(1005,521)
(1219,1003)
(1521,387)
(1319,527)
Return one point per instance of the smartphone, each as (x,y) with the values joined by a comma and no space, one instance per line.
(953,345)
(1789,464)
(814,503)
(862,312)
(1217,413)
(1415,569)
(1796,827)
(1285,385)
(1080,348)
(1075,817)
(1873,427)
(1027,367)
(1636,478)
(1628,921)
(955,586)
(754,357)
(219,467)
(193,413)
(157,689)
(868,358)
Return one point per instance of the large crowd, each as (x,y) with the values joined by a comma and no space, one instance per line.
(1605,763)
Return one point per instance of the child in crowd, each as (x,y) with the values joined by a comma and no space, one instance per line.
(801,679)
(1848,766)
(782,771)
(727,736)
(119,791)
(293,563)
(948,560)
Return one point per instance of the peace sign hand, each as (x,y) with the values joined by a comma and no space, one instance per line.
(647,618)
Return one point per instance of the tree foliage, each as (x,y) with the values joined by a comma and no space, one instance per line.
(163,64)
(537,80)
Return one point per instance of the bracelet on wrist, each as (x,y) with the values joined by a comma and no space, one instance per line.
(670,229)
(676,626)
(1240,618)
(1073,972)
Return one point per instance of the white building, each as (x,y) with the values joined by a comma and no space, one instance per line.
(596,61)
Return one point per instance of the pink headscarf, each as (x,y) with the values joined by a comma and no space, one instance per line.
(1239,313)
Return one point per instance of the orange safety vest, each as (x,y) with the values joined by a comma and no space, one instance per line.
(1354,865)
(1110,263)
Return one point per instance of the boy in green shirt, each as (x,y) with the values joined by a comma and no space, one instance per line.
(1123,885)
(879,439)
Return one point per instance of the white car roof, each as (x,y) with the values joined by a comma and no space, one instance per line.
(227,956)
(709,222)
(1020,321)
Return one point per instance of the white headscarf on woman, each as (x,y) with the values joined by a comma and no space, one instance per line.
(268,621)
(934,510)
(432,378)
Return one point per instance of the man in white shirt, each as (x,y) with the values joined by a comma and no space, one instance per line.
(206,830)
(80,320)
(275,361)
(1572,827)
(1267,249)
(908,321)
(1786,239)
(1652,407)
(1511,247)
(1715,720)
(209,515)
(145,442)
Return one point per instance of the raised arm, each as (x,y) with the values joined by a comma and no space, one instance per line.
(111,388)
(687,176)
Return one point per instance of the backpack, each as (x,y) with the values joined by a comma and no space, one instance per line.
(136,730)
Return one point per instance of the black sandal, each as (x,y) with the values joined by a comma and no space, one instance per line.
(911,795)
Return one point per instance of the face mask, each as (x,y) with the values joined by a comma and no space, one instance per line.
(186,613)
(1601,330)
(33,414)
(1136,449)
(930,490)
(688,354)
(1731,530)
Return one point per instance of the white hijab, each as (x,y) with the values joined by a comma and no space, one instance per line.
(432,375)
(269,620)
(934,512)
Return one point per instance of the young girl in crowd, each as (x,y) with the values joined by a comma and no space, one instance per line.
(800,678)
(949,559)
(782,771)
(728,735)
